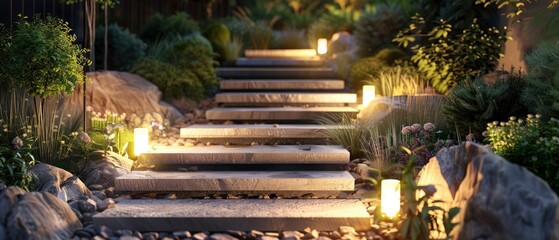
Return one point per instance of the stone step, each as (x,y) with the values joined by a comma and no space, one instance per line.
(279,113)
(280,53)
(262,98)
(279,154)
(152,215)
(275,73)
(238,182)
(280,62)
(282,84)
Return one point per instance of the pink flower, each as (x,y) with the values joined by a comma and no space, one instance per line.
(17,143)
(429,127)
(406,130)
(416,127)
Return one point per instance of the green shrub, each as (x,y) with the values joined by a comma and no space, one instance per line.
(232,51)
(159,27)
(449,56)
(531,142)
(219,36)
(542,89)
(472,104)
(391,55)
(326,26)
(15,160)
(124,48)
(290,39)
(376,30)
(364,69)
(174,82)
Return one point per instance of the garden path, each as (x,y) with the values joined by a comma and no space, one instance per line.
(228,184)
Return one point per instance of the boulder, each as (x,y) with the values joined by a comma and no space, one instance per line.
(8,199)
(59,182)
(38,215)
(497,199)
(342,42)
(119,92)
(105,169)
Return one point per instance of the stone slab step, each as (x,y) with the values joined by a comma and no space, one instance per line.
(278,113)
(280,62)
(152,215)
(282,84)
(275,73)
(261,98)
(296,131)
(280,53)
(279,154)
(247,182)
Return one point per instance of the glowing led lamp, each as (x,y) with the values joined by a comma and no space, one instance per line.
(368,94)
(141,140)
(322,46)
(390,197)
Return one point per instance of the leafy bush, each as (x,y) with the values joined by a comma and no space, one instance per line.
(159,27)
(326,26)
(472,104)
(15,160)
(171,80)
(391,55)
(290,39)
(124,48)
(422,141)
(447,58)
(542,89)
(219,36)
(376,30)
(364,69)
(531,142)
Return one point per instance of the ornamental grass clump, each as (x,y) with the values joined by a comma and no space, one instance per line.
(531,142)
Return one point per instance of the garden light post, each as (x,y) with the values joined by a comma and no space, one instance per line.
(368,94)
(141,141)
(390,197)
(322,47)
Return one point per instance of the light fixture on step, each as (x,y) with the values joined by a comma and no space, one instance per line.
(390,197)
(141,141)
(368,94)
(322,47)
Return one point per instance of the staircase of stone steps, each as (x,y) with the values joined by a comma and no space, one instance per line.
(293,163)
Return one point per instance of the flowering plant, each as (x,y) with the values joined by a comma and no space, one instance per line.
(531,142)
(422,141)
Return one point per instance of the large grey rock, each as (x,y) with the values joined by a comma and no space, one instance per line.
(103,170)
(245,215)
(497,199)
(58,182)
(119,92)
(342,42)
(36,215)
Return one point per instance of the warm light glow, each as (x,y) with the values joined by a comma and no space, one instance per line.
(368,94)
(322,46)
(141,140)
(390,197)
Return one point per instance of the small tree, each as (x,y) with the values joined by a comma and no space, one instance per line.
(44,62)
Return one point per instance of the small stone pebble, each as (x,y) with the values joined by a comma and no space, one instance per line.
(182,234)
(222,236)
(95,187)
(87,205)
(200,236)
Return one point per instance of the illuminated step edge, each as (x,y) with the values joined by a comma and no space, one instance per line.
(280,53)
(236,181)
(285,98)
(152,215)
(282,84)
(280,62)
(275,73)
(279,113)
(258,131)
(264,154)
